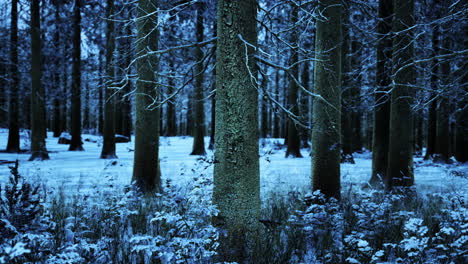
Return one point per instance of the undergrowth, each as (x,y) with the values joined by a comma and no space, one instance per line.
(113,226)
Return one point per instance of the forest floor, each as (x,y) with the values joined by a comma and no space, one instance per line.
(84,171)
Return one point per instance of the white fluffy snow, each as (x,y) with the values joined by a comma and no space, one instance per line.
(81,171)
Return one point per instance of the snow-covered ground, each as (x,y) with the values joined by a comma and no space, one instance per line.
(81,171)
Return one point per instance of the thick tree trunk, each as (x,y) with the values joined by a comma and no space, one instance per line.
(236,171)
(146,172)
(199,118)
(400,157)
(13,144)
(326,130)
(108,147)
(38,122)
(382,100)
(76,144)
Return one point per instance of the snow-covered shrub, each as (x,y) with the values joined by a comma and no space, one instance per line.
(322,222)
(19,205)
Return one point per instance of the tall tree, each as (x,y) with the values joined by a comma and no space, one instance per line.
(382,100)
(13,110)
(38,122)
(171,121)
(347,109)
(146,171)
(400,155)
(108,148)
(326,128)
(293,139)
(76,144)
(236,171)
(432,116)
(442,150)
(199,118)
(57,120)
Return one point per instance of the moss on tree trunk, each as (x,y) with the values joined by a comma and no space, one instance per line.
(236,170)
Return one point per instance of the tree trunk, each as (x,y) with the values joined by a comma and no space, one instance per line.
(57,117)
(293,139)
(432,119)
(101,88)
(171,130)
(304,106)
(276,119)
(236,171)
(326,130)
(76,144)
(400,156)
(146,172)
(442,150)
(347,109)
(382,100)
(264,110)
(199,125)
(38,122)
(13,110)
(108,148)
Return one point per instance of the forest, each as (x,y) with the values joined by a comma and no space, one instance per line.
(233,131)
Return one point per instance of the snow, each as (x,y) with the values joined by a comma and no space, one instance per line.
(82,171)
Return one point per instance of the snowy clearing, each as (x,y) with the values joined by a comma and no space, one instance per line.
(81,171)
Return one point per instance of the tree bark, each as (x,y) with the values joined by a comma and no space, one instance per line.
(293,139)
(400,157)
(76,144)
(13,144)
(146,172)
(347,102)
(442,150)
(108,148)
(432,118)
(38,122)
(326,130)
(199,118)
(236,171)
(382,100)
(171,130)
